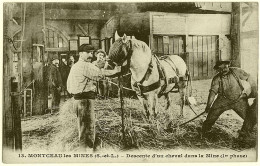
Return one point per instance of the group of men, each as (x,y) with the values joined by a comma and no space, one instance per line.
(227,91)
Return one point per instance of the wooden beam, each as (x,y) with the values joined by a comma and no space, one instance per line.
(57,49)
(83,30)
(66,14)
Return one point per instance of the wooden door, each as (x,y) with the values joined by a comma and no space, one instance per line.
(168,45)
(202,56)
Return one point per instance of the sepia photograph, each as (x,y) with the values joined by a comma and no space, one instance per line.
(130,82)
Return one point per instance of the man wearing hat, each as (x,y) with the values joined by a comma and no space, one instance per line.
(81,84)
(228,86)
(55,83)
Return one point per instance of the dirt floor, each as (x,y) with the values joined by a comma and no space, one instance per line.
(58,132)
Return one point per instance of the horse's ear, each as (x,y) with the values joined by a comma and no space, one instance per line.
(116,36)
(124,38)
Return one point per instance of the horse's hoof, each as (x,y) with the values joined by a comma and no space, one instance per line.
(180,116)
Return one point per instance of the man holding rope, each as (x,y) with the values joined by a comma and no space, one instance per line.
(81,84)
(229,87)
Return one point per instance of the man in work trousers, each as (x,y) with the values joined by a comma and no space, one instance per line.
(55,83)
(227,85)
(81,84)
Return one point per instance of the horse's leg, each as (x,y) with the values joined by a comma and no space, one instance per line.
(145,105)
(154,102)
(168,101)
(182,91)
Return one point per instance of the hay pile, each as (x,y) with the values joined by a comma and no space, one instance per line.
(144,134)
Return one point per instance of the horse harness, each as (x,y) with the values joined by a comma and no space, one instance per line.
(162,77)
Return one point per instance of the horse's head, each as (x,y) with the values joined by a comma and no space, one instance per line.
(119,53)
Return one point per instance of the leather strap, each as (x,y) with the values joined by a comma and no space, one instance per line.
(148,88)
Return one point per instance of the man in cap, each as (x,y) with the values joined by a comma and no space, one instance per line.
(55,83)
(81,84)
(227,86)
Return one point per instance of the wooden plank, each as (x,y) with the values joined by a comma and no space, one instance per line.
(57,49)
(47,38)
(166,49)
(200,60)
(155,45)
(195,60)
(176,46)
(204,56)
(175,24)
(171,45)
(181,45)
(66,14)
(160,45)
(214,52)
(191,56)
(210,65)
(55,43)
(8,139)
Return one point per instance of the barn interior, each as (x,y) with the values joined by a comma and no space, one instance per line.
(33,33)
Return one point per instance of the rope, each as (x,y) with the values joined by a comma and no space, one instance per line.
(122,87)
(205,112)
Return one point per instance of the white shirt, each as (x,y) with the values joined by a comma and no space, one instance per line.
(83,74)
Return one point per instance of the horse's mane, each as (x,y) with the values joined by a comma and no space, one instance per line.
(136,44)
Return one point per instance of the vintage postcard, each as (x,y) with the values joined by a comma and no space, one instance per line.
(130,82)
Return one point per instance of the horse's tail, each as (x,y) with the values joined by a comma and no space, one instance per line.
(189,85)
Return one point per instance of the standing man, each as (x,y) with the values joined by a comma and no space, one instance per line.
(227,86)
(55,83)
(81,84)
(64,71)
(102,85)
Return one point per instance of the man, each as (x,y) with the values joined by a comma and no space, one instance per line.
(64,71)
(55,83)
(227,85)
(71,61)
(81,83)
(102,85)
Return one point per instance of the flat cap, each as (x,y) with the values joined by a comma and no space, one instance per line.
(86,48)
(220,63)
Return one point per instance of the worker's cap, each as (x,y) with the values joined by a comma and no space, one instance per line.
(86,48)
(54,57)
(220,63)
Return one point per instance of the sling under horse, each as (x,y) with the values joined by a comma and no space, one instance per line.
(151,78)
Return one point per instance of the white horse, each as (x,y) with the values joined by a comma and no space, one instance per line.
(151,78)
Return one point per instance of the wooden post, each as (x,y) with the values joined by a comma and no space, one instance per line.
(12,137)
(122,107)
(235,34)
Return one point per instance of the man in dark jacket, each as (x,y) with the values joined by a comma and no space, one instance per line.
(55,83)
(227,85)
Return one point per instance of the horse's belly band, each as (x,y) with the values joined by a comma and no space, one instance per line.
(170,74)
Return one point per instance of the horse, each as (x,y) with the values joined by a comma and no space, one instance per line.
(151,78)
